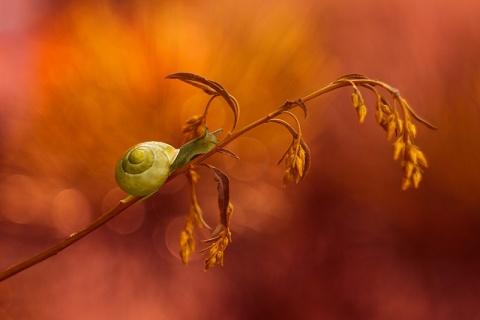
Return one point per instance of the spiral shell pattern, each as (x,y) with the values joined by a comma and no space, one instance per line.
(145,167)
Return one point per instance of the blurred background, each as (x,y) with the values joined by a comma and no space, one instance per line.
(82,81)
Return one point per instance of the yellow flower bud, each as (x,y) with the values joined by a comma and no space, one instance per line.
(361,112)
(412,129)
(409,169)
(405,184)
(386,109)
(399,128)
(391,126)
(398,148)
(416,177)
(379,115)
(356,99)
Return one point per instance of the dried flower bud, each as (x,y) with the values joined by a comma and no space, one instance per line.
(295,163)
(405,184)
(187,242)
(399,123)
(356,99)
(408,169)
(386,109)
(194,127)
(412,130)
(416,177)
(379,115)
(361,112)
(398,148)
(216,250)
(421,158)
(391,126)
(413,154)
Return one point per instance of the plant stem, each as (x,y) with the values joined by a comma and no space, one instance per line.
(234,135)
(124,204)
(100,221)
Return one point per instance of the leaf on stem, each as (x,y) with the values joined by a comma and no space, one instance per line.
(352,76)
(228,153)
(221,236)
(288,105)
(211,88)
(223,189)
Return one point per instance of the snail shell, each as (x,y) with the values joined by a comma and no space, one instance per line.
(145,167)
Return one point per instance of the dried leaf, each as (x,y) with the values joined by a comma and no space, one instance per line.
(228,153)
(307,162)
(352,76)
(405,104)
(302,106)
(287,125)
(223,189)
(209,87)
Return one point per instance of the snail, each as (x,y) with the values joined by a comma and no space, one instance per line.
(145,167)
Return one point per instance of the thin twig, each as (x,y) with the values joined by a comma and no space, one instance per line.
(100,221)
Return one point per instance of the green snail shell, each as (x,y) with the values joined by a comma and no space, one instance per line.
(145,167)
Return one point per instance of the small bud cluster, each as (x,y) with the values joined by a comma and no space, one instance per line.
(295,161)
(193,128)
(413,159)
(219,244)
(195,216)
(359,105)
(389,119)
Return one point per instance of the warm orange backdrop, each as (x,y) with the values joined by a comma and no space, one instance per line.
(82,81)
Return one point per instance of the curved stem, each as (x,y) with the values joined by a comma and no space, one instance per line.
(129,201)
(332,86)
(234,135)
(222,143)
(122,205)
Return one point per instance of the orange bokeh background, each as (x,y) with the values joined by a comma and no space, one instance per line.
(82,81)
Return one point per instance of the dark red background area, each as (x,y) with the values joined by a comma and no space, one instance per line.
(82,82)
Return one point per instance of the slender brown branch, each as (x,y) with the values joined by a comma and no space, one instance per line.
(330,87)
(100,221)
(122,205)
(345,81)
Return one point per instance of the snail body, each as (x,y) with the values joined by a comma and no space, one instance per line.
(145,167)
